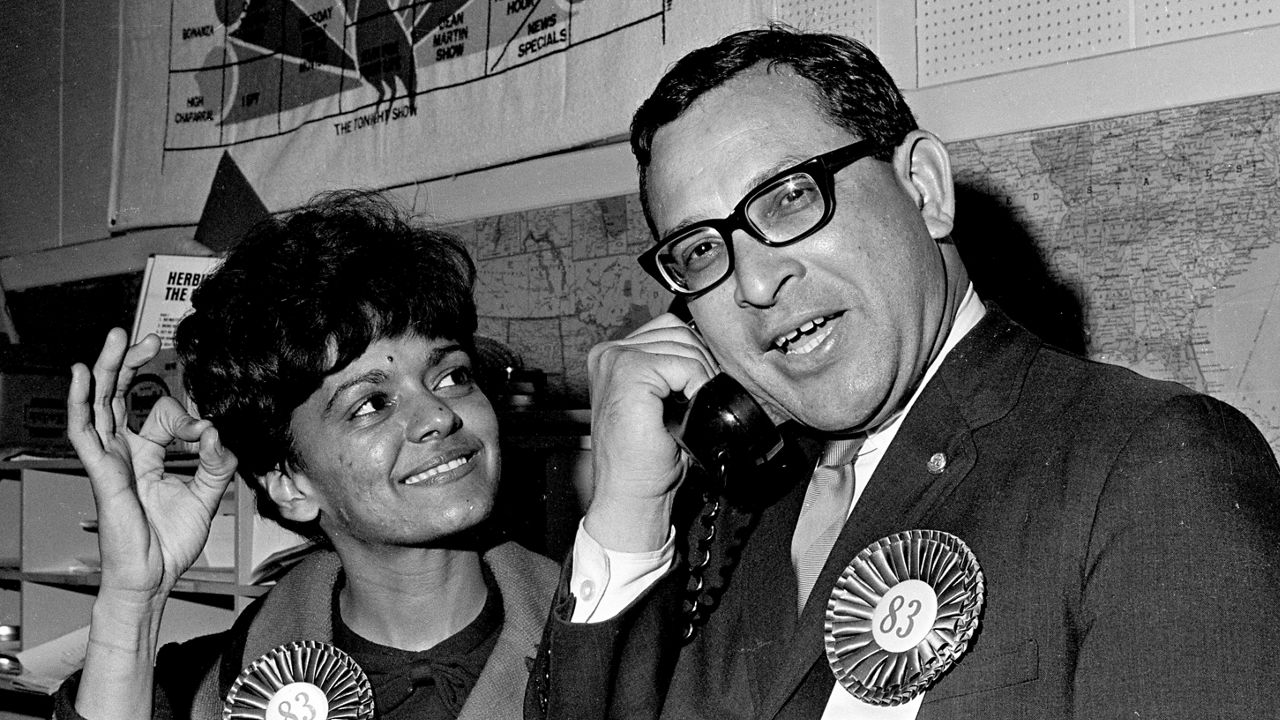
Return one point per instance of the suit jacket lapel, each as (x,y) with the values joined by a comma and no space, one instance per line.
(297,608)
(772,612)
(903,493)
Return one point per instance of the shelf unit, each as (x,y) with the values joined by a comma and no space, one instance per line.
(49,555)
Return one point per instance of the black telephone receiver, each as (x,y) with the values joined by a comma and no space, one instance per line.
(724,429)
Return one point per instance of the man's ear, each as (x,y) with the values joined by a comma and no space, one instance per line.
(291,492)
(923,167)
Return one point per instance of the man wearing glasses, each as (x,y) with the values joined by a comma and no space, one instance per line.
(983,526)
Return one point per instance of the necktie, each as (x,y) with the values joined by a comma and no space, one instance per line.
(825,509)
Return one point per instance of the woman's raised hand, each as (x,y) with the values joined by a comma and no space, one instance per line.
(152,525)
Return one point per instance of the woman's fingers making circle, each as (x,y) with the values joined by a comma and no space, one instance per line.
(112,374)
(80,428)
(169,421)
(217,466)
(135,357)
(106,373)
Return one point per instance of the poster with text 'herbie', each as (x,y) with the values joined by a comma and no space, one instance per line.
(167,286)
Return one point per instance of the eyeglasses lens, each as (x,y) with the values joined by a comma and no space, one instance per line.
(787,210)
(695,260)
(777,214)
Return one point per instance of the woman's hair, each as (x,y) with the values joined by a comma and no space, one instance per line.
(300,297)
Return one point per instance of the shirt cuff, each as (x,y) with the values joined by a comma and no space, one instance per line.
(604,582)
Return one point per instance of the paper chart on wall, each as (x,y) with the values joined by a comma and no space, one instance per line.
(313,94)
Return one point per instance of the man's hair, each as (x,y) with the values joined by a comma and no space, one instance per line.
(850,87)
(300,297)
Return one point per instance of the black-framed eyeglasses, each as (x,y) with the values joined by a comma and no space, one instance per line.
(784,209)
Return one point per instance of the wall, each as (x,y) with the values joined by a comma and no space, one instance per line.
(57,110)
(58,139)
(57,105)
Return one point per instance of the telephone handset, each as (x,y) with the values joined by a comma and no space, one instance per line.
(725,430)
(729,436)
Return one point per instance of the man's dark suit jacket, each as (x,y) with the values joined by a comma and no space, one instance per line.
(1128,531)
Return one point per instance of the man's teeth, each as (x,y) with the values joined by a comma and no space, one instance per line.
(809,344)
(809,330)
(446,467)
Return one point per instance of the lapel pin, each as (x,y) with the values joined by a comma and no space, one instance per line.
(937,463)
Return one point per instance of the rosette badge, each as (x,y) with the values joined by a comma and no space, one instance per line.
(902,614)
(301,681)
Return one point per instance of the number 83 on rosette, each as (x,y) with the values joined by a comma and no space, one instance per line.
(902,614)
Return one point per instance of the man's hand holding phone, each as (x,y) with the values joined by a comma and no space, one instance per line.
(636,463)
